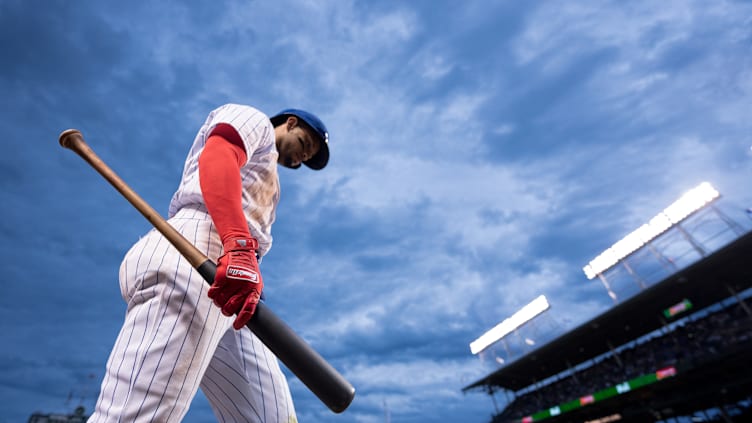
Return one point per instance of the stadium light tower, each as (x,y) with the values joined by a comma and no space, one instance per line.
(682,208)
(525,314)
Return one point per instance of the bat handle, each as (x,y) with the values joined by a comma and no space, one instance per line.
(70,138)
(74,140)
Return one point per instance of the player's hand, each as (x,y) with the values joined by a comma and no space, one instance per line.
(237,284)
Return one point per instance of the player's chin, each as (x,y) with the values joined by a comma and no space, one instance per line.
(289,162)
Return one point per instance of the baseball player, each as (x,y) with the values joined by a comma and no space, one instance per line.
(180,334)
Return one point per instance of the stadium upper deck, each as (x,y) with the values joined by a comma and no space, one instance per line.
(709,280)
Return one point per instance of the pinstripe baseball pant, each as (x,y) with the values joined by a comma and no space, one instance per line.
(174,340)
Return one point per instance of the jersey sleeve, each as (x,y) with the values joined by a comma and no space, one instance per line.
(252,126)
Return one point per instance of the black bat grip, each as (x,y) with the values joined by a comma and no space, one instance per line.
(295,353)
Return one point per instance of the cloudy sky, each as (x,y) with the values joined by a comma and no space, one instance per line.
(482,153)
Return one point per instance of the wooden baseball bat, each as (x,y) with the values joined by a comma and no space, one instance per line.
(315,372)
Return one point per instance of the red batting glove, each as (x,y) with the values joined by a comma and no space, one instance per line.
(237,284)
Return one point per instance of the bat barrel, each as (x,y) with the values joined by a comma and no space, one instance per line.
(302,360)
(312,369)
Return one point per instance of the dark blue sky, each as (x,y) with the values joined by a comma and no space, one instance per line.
(481,156)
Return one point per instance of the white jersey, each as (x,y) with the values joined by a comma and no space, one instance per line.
(258,174)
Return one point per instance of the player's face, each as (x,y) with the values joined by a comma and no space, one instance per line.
(295,145)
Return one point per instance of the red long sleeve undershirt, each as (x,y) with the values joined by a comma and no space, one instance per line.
(219,177)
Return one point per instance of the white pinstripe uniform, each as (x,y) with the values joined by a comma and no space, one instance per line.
(174,339)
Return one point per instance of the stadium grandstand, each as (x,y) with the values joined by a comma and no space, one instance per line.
(677,348)
(78,416)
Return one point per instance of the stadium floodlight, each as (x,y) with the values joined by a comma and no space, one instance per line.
(534,308)
(689,203)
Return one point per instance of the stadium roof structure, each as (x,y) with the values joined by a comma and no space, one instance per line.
(705,282)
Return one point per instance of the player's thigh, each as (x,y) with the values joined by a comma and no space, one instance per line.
(245,383)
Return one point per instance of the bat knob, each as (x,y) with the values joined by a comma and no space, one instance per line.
(68,136)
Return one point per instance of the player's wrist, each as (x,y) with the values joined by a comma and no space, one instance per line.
(240,243)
